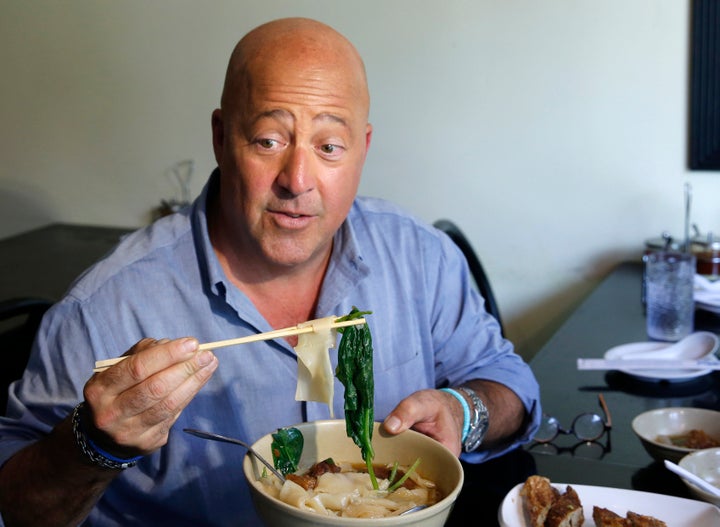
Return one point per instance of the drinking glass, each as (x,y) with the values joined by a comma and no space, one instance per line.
(670,307)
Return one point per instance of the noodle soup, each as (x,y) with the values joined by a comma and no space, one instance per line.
(348,491)
(346,497)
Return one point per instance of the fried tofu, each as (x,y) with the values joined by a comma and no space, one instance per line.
(546,506)
(538,497)
(566,511)
(639,520)
(607,518)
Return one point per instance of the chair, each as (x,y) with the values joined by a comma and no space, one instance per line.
(476,268)
(19,321)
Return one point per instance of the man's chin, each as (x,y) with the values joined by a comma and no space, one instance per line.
(290,255)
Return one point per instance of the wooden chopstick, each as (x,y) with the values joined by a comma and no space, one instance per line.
(307,327)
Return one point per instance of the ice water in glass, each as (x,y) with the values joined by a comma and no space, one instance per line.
(669,295)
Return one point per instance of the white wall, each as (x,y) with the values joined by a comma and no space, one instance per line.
(553,132)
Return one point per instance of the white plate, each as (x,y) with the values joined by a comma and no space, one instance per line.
(676,512)
(619,352)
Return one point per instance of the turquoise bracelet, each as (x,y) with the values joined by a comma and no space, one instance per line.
(466,411)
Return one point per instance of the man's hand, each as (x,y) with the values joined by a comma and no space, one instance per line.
(439,415)
(129,410)
(131,406)
(430,412)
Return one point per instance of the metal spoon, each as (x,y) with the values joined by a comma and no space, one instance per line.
(224,439)
(413,509)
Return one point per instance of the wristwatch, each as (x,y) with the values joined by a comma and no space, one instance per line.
(479,420)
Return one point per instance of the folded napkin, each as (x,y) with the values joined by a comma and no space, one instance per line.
(706,291)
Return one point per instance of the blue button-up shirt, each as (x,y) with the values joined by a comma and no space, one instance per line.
(428,324)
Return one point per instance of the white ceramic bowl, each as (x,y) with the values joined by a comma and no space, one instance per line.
(328,438)
(652,425)
(706,465)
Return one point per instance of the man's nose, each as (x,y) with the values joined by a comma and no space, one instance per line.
(296,173)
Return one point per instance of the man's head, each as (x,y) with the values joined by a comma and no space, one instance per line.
(301,41)
(290,139)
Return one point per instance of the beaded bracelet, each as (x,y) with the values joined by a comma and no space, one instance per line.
(466,411)
(93,452)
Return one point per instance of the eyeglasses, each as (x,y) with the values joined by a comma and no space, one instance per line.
(581,449)
(586,426)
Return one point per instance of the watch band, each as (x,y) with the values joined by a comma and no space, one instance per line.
(479,420)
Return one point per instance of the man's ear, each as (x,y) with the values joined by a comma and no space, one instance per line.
(218,134)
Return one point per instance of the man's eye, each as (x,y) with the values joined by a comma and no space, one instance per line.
(329,149)
(267,143)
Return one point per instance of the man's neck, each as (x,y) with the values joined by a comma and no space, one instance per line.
(283,295)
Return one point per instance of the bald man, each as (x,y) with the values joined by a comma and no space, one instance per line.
(278,236)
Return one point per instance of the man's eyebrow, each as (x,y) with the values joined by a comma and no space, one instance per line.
(273,114)
(280,114)
(327,116)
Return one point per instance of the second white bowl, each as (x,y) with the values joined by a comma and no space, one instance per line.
(706,465)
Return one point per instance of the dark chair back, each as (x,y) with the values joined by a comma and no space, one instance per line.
(19,321)
(476,268)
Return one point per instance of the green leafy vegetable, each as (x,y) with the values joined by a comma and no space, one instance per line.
(355,371)
(287,446)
